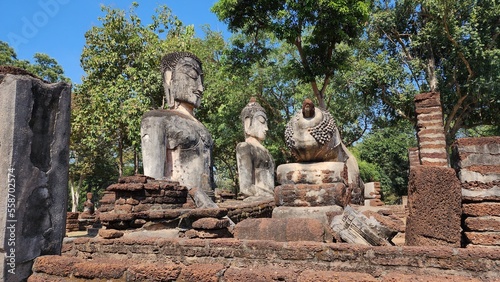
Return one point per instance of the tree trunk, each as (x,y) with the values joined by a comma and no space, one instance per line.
(136,161)
(120,156)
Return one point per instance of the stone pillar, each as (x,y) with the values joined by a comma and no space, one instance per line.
(431,138)
(477,163)
(434,207)
(34,154)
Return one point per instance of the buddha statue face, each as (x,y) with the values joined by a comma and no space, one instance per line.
(254,120)
(257,127)
(184,82)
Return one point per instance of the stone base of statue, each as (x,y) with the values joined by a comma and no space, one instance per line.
(314,184)
(312,195)
(138,203)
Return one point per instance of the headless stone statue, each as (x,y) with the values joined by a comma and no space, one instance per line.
(255,163)
(175,145)
(88,205)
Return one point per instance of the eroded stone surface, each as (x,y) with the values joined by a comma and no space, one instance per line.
(277,259)
(34,155)
(434,206)
(282,230)
(312,195)
(357,228)
(323,213)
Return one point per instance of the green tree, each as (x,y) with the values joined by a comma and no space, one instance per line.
(44,66)
(120,59)
(313,28)
(8,55)
(448,46)
(383,155)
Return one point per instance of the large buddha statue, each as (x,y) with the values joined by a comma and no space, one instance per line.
(175,145)
(255,163)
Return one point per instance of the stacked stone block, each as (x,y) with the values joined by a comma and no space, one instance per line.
(142,202)
(135,200)
(312,185)
(207,224)
(477,162)
(434,196)
(431,138)
(240,210)
(72,222)
(372,194)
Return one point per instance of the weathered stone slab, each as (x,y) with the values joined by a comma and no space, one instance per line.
(434,206)
(34,155)
(138,178)
(374,203)
(481,209)
(479,174)
(110,233)
(323,214)
(209,212)
(304,195)
(484,223)
(492,194)
(211,223)
(282,229)
(312,173)
(483,238)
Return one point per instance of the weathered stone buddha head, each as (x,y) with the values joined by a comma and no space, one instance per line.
(254,120)
(182,79)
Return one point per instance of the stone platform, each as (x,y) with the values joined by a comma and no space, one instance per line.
(157,259)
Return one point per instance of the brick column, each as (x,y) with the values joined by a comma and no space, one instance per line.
(431,138)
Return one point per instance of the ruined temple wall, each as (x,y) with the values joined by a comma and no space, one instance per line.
(434,197)
(254,260)
(477,163)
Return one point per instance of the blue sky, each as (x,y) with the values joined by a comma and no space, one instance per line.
(57,27)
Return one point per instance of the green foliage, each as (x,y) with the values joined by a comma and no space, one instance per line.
(44,66)
(446,46)
(383,155)
(314,28)
(7,54)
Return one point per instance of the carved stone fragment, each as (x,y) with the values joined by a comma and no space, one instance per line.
(34,155)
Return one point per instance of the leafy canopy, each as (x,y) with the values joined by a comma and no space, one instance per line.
(313,27)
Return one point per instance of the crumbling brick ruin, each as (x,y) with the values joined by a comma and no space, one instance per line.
(440,197)
(153,231)
(476,161)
